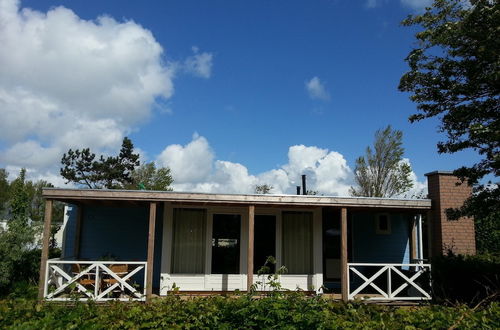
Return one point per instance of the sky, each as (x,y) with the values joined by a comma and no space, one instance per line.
(228,94)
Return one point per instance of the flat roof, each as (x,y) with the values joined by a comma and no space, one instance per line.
(83,195)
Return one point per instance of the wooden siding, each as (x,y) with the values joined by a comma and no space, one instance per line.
(371,247)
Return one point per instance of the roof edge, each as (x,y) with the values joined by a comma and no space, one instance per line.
(303,200)
(439,173)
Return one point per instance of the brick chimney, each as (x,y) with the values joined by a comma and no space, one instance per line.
(456,235)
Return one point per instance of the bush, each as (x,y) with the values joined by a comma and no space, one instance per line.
(465,279)
(25,272)
(291,311)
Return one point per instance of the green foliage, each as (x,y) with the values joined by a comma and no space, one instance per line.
(148,177)
(382,171)
(454,75)
(19,236)
(4,190)
(112,172)
(19,256)
(465,279)
(263,189)
(291,311)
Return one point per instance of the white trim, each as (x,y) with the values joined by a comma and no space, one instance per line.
(391,294)
(420,238)
(57,276)
(167,239)
(317,249)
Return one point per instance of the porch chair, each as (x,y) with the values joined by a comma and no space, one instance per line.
(119,269)
(87,279)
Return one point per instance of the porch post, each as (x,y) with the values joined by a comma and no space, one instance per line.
(420,240)
(413,245)
(45,247)
(251,221)
(151,249)
(344,272)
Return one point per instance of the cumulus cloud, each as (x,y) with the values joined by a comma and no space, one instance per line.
(190,163)
(199,64)
(69,82)
(316,89)
(194,168)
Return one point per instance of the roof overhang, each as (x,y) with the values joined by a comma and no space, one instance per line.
(88,195)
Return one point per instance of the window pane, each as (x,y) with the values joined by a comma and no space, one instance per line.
(188,252)
(297,242)
(226,244)
(264,241)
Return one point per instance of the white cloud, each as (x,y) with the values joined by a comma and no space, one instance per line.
(316,89)
(69,82)
(190,163)
(417,5)
(194,168)
(199,64)
(419,189)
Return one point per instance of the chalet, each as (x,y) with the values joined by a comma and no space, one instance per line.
(129,245)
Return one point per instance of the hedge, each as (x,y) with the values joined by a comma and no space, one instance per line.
(291,311)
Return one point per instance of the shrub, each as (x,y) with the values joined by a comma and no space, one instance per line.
(289,311)
(465,279)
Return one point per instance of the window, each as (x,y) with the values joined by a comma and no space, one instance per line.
(264,241)
(188,251)
(226,244)
(297,242)
(382,224)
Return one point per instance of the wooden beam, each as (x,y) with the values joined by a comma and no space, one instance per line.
(78,231)
(413,241)
(244,200)
(151,250)
(344,272)
(47,224)
(251,230)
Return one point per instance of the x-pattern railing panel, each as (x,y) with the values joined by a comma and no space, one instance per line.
(388,270)
(99,275)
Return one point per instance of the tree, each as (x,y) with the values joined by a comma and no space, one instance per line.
(148,177)
(263,189)
(4,190)
(111,172)
(382,172)
(454,75)
(19,235)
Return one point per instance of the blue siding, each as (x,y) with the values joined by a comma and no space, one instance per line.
(68,246)
(371,247)
(121,232)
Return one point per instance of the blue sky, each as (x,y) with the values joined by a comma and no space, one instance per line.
(236,82)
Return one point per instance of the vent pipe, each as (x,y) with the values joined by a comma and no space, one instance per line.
(304,189)
(298,190)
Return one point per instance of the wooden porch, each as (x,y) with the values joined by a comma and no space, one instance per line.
(57,280)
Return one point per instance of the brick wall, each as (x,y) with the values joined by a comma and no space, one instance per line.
(457,235)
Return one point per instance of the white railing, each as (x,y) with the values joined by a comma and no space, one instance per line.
(393,288)
(95,280)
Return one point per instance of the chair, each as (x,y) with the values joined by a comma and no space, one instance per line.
(120,270)
(86,280)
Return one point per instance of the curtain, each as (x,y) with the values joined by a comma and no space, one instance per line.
(297,242)
(188,251)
